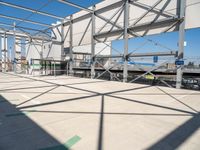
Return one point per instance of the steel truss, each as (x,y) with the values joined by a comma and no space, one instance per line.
(121,31)
(170,21)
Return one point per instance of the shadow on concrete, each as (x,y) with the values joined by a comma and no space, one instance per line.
(37,96)
(176,99)
(177,137)
(16,81)
(81,98)
(150,104)
(57,102)
(25,88)
(172,141)
(19,132)
(108,113)
(101,123)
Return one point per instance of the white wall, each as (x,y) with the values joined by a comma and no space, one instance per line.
(98,48)
(33,51)
(52,51)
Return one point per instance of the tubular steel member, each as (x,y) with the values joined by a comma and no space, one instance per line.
(14,48)
(30,10)
(182,7)
(169,53)
(126,24)
(24,20)
(93,45)
(3,45)
(71,46)
(4,53)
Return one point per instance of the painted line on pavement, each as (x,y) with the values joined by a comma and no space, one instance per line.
(66,146)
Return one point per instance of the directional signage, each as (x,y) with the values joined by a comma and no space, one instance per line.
(179,62)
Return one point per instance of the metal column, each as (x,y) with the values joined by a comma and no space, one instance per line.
(62,45)
(41,57)
(62,40)
(93,45)
(14,48)
(126,24)
(71,46)
(18,52)
(182,4)
(4,53)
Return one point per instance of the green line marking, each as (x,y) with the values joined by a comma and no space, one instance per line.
(72,141)
(68,144)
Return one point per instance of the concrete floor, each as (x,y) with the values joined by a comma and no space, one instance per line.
(52,113)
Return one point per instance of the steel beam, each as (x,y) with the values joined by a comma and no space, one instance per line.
(86,30)
(21,27)
(99,11)
(91,12)
(155,76)
(30,10)
(41,56)
(182,7)
(75,5)
(120,9)
(3,53)
(24,20)
(148,11)
(140,27)
(1,35)
(169,53)
(115,23)
(62,41)
(14,48)
(154,10)
(126,25)
(151,70)
(106,70)
(93,45)
(22,35)
(71,46)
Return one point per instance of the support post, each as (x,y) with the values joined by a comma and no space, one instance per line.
(4,53)
(14,48)
(67,69)
(71,46)
(182,4)
(62,41)
(41,57)
(1,53)
(62,44)
(54,68)
(93,45)
(126,24)
(18,54)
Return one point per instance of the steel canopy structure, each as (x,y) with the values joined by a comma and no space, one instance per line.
(105,22)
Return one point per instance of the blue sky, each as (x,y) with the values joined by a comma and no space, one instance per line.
(168,39)
(52,7)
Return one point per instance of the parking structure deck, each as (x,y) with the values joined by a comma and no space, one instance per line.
(65,112)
